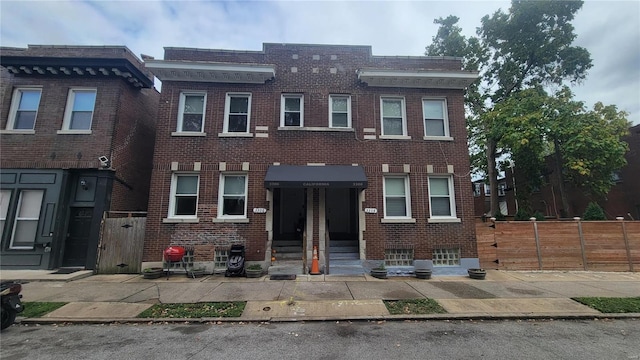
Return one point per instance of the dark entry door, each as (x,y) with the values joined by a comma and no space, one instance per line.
(77,243)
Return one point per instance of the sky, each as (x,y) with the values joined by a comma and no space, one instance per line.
(610,30)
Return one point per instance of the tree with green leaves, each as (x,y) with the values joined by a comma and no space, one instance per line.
(527,47)
(585,145)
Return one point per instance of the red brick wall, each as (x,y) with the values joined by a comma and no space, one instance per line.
(123,129)
(302,147)
(133,143)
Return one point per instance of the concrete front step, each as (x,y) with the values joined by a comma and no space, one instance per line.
(344,256)
(287,249)
(287,267)
(346,267)
(288,256)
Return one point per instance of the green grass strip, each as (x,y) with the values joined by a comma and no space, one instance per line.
(611,305)
(197,310)
(37,309)
(413,307)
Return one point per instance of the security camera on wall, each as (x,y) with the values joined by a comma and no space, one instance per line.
(104,161)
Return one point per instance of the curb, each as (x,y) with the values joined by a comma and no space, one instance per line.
(434,317)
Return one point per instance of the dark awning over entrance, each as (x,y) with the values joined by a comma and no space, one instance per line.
(328,176)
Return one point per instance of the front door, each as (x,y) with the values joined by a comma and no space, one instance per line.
(77,242)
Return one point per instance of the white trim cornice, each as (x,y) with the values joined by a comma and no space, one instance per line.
(417,79)
(197,71)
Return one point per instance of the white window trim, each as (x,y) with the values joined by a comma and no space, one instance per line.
(69,110)
(183,95)
(227,108)
(290,96)
(452,200)
(337,96)
(18,218)
(404,118)
(445,114)
(172,200)
(13,111)
(407,193)
(221,217)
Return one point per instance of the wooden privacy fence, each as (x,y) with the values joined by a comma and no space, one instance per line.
(559,245)
(121,242)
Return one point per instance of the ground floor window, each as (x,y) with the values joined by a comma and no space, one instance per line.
(396,197)
(233,196)
(184,195)
(398,257)
(24,229)
(446,257)
(441,198)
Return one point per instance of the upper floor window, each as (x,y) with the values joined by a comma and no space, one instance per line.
(394,120)
(79,112)
(435,117)
(237,113)
(24,109)
(339,111)
(232,201)
(191,112)
(441,198)
(292,110)
(397,202)
(184,195)
(502,187)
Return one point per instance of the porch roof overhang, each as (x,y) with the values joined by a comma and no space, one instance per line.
(328,176)
(425,79)
(200,71)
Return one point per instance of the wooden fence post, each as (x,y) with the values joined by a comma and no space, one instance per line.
(535,231)
(582,250)
(626,242)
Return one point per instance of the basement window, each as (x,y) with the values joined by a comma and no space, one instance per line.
(398,257)
(446,257)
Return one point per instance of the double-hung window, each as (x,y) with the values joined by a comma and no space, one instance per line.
(24,109)
(232,201)
(436,123)
(292,110)
(441,197)
(237,113)
(397,201)
(5,198)
(184,196)
(394,120)
(339,111)
(191,112)
(25,224)
(79,112)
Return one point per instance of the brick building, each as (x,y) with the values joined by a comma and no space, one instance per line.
(622,200)
(78,128)
(300,146)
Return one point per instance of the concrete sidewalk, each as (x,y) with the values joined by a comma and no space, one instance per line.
(120,298)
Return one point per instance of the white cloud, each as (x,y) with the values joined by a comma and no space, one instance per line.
(610,30)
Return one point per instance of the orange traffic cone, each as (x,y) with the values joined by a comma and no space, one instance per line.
(314,263)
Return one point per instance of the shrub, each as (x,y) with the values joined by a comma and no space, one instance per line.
(594,212)
(522,215)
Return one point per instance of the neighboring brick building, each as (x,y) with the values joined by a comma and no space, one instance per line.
(78,128)
(623,200)
(282,149)
(506,197)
